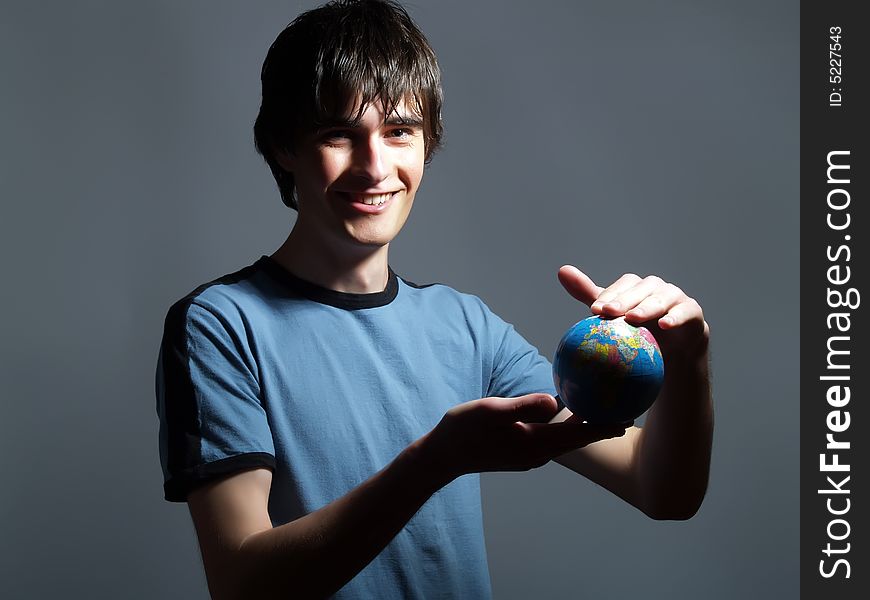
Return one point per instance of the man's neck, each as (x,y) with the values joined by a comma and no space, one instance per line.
(356,270)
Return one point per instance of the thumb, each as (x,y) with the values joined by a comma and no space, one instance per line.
(533,408)
(579,285)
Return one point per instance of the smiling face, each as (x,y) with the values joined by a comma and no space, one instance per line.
(356,180)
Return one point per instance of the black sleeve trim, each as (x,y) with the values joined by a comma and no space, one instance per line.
(178,486)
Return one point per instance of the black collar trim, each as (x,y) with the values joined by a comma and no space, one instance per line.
(323,295)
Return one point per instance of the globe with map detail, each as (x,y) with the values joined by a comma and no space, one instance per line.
(608,371)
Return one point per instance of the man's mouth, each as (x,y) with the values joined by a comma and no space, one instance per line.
(368,202)
(370,199)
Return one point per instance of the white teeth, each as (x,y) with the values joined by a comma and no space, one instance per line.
(372,200)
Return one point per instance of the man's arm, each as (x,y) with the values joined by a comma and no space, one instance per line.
(313,556)
(662,468)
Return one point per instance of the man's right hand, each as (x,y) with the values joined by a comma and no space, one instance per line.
(505,434)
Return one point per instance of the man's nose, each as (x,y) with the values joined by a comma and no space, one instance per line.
(371,159)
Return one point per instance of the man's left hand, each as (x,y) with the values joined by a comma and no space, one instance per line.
(674,318)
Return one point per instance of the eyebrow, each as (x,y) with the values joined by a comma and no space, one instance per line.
(395,120)
(409,121)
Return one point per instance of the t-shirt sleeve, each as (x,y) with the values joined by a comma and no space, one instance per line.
(518,367)
(212,421)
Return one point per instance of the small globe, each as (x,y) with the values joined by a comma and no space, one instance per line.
(608,371)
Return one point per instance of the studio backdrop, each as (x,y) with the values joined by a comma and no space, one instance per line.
(645,137)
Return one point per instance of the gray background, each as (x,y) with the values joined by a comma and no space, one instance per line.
(654,137)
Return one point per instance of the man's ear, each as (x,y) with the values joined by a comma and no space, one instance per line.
(285,159)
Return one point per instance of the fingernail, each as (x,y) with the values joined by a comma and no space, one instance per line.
(615,305)
(597,305)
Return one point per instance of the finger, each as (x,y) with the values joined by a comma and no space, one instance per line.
(679,315)
(660,299)
(532,408)
(564,436)
(594,433)
(605,300)
(578,284)
(576,419)
(609,430)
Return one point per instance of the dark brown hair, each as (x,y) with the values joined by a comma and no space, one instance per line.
(343,52)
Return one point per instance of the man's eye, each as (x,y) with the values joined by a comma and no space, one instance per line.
(401,132)
(336,134)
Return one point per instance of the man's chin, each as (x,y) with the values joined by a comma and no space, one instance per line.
(371,241)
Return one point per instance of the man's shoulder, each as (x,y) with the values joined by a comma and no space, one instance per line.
(233,292)
(444,296)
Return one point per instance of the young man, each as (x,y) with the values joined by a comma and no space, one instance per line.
(325,419)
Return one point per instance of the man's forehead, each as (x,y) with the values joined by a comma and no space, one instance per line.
(402,113)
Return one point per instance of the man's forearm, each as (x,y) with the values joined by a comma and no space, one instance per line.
(317,554)
(673,451)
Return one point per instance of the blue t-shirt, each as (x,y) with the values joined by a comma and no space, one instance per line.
(262,369)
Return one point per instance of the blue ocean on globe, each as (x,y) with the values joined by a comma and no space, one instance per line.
(607,370)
